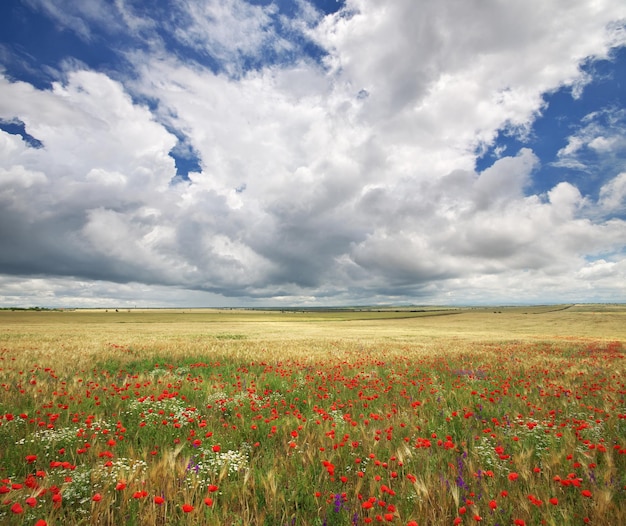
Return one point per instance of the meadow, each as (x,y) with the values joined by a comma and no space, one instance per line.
(434,416)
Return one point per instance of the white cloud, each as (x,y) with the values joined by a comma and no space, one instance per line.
(613,194)
(78,16)
(464,69)
(18,176)
(506,179)
(351,179)
(565,200)
(226,30)
(600,142)
(77,293)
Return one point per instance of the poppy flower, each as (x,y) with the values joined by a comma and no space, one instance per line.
(159,500)
(187,508)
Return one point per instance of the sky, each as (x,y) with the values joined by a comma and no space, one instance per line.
(197,153)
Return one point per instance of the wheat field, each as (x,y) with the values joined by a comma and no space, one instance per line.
(435,415)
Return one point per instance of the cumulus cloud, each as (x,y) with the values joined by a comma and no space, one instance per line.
(347,176)
(613,194)
(464,69)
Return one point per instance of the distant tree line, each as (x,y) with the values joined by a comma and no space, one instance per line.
(27,308)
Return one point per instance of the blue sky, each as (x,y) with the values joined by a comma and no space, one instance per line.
(210,153)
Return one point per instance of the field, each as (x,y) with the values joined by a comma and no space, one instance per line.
(507,416)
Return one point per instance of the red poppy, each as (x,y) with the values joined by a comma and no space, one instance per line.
(187,508)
